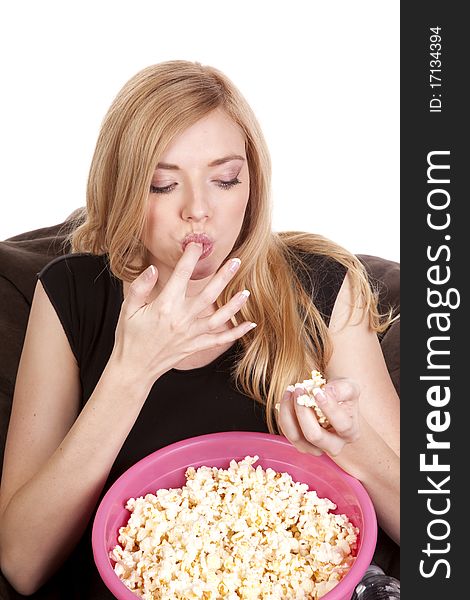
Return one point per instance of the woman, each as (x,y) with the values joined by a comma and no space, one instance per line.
(181,313)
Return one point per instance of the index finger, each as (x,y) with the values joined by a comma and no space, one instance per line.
(290,426)
(178,281)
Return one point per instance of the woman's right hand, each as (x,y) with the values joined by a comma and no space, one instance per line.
(152,338)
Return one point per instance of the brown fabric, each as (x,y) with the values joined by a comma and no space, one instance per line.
(385,275)
(391,351)
(23,256)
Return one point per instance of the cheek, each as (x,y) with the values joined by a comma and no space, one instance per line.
(239,207)
(159,214)
(241,212)
(156,223)
(150,224)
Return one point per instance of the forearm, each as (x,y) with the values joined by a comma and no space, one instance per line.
(377,466)
(47,516)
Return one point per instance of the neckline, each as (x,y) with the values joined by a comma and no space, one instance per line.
(209,367)
(196,370)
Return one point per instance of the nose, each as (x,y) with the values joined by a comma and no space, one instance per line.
(196,207)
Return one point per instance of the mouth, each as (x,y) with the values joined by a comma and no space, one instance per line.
(199,238)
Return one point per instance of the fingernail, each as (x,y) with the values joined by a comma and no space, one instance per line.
(320,397)
(234,264)
(149,272)
(290,388)
(244,295)
(252,326)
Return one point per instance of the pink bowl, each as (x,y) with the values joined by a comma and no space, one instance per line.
(165,468)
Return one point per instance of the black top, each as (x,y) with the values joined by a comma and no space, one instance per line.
(181,403)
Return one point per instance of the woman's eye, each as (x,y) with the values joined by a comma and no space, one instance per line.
(225,185)
(162,190)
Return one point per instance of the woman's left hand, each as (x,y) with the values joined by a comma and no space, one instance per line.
(339,401)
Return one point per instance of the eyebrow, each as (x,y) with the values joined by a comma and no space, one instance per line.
(214,163)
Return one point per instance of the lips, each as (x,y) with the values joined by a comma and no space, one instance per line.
(199,238)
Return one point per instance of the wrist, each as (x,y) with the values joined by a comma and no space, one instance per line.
(135,382)
(368,458)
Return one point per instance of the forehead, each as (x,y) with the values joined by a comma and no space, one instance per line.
(213,136)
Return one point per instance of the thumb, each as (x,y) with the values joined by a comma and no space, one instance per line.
(139,291)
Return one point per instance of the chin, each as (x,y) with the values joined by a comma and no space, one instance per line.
(203,270)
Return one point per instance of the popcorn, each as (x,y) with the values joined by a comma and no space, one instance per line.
(312,387)
(241,532)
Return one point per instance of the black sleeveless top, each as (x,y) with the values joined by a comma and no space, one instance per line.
(181,403)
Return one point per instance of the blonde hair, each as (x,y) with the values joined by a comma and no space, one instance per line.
(155,106)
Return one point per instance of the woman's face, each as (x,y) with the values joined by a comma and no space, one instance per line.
(199,192)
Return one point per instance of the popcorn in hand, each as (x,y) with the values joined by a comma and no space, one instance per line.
(312,387)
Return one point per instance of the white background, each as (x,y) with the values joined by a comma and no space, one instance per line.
(322,78)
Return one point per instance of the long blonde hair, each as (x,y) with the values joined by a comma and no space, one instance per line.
(155,106)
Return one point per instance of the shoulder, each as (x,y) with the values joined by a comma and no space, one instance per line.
(314,256)
(320,269)
(86,297)
(320,274)
(80,264)
(79,280)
